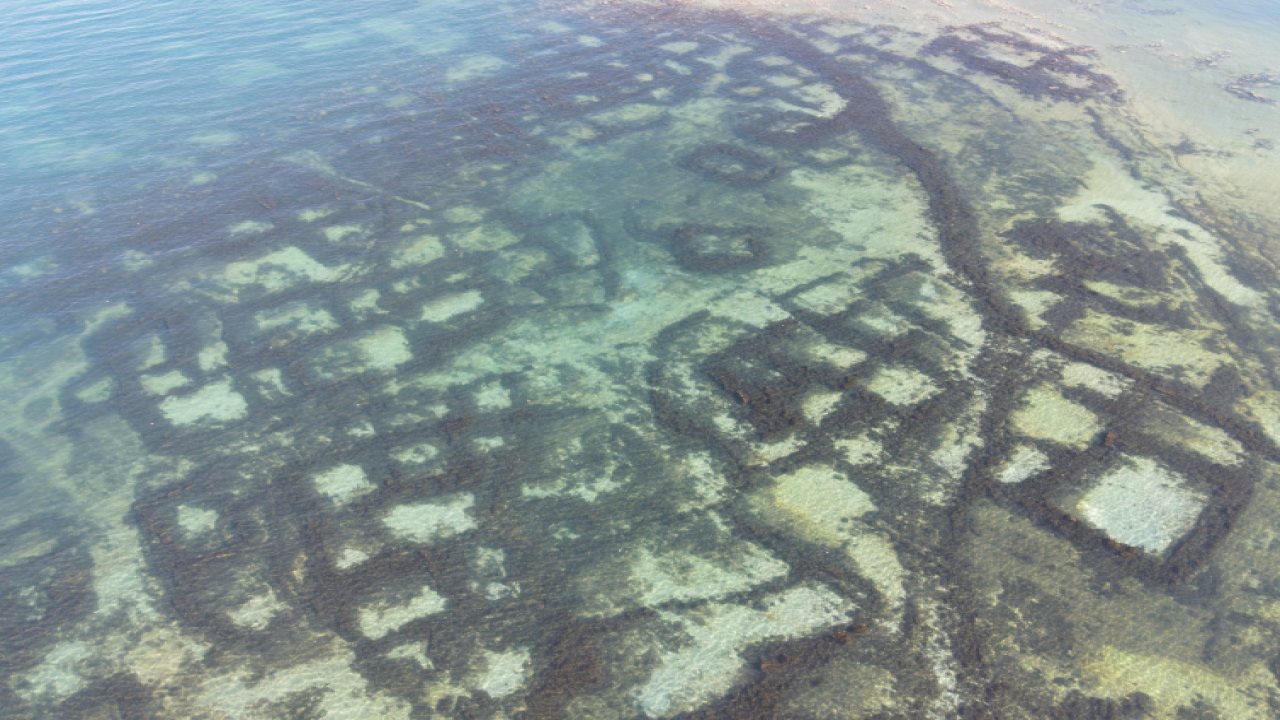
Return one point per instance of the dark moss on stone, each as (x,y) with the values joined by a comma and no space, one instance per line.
(709,248)
(730,164)
(1049,73)
(44,594)
(122,696)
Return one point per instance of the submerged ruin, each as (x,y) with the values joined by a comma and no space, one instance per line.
(698,364)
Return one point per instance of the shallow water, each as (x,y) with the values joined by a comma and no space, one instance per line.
(614,361)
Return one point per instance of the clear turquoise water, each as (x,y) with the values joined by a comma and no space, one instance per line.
(116,97)
(479,360)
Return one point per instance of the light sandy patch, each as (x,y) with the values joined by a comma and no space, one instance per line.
(420,250)
(821,500)
(678,576)
(383,617)
(710,663)
(247,72)
(484,238)
(338,233)
(216,402)
(1143,504)
(1045,415)
(279,270)
(245,228)
(349,558)
(415,454)
(681,47)
(311,215)
(256,612)
(877,560)
(818,404)
(837,356)
(196,521)
(504,672)
(829,298)
(385,348)
(163,383)
(450,306)
(425,522)
(1023,462)
(1096,379)
(902,385)
(493,396)
(859,449)
(342,483)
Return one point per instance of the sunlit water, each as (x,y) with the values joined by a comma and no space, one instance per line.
(483,360)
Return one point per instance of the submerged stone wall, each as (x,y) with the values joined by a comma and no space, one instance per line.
(700,366)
